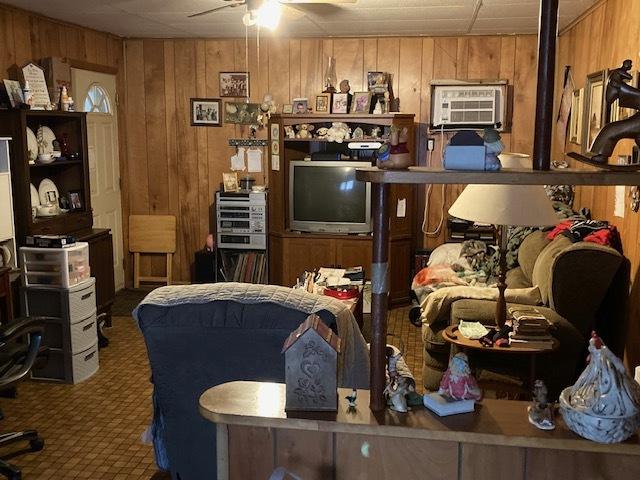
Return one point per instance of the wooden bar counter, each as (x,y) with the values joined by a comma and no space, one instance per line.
(255,435)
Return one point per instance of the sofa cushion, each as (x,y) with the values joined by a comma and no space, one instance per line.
(529,251)
(516,278)
(543,267)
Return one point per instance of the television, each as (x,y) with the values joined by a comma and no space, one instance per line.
(324,196)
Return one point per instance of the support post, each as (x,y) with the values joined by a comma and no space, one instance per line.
(546,77)
(379,294)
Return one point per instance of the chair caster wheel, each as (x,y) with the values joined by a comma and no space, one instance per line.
(36,444)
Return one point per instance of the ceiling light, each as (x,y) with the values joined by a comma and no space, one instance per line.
(269,14)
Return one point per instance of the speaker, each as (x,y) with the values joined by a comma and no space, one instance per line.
(205,267)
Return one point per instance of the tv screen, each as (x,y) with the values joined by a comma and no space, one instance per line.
(326,197)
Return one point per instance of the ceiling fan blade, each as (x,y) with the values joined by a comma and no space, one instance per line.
(207,12)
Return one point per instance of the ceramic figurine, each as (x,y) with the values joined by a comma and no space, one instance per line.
(396,156)
(457,382)
(493,147)
(540,412)
(352,399)
(358,134)
(375,132)
(377,110)
(396,392)
(344,86)
(304,130)
(604,403)
(289,132)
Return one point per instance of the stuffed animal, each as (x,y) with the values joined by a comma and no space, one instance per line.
(322,132)
(339,132)
(304,130)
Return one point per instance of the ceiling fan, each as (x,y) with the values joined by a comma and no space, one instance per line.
(267,12)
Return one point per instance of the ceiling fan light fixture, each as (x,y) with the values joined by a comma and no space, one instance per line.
(249,19)
(269,14)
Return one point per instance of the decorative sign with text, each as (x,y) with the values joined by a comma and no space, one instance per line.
(38,86)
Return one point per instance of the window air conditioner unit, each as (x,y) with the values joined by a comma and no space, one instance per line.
(466,105)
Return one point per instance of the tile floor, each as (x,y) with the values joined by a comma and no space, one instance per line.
(92,430)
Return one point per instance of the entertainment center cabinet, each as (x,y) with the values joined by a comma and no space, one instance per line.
(292,252)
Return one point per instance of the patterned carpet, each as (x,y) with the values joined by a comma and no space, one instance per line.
(92,430)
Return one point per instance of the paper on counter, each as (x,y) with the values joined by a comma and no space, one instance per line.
(472,330)
(254,160)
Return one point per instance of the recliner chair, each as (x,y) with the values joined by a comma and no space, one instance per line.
(16,360)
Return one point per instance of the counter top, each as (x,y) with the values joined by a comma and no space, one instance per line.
(495,422)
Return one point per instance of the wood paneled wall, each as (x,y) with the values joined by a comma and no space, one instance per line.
(175,168)
(607,35)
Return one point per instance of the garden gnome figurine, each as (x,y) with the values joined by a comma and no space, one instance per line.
(457,382)
(539,412)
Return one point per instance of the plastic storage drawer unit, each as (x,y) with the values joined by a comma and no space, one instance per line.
(56,267)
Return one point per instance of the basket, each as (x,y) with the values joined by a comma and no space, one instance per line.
(601,429)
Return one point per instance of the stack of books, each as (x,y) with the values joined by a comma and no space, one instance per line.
(530,328)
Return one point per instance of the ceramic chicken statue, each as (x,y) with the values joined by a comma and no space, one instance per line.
(604,403)
(457,382)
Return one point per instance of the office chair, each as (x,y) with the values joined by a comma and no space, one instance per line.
(16,359)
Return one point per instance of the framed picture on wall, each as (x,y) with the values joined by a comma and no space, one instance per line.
(575,121)
(234,84)
(241,113)
(340,103)
(205,112)
(594,107)
(323,103)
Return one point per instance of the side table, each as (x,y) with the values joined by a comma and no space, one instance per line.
(453,336)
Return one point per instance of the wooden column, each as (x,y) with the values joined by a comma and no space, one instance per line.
(546,77)
(379,294)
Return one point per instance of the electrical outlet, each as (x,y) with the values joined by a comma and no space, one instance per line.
(431,144)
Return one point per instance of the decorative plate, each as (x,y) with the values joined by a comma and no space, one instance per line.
(48,137)
(32,145)
(48,192)
(35,197)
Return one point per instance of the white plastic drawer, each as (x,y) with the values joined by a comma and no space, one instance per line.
(84,334)
(85,363)
(82,303)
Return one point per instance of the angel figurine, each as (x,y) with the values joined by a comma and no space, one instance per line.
(457,382)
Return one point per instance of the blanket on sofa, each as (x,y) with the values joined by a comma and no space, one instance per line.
(436,307)
(354,352)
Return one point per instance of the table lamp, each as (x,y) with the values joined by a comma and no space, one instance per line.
(504,205)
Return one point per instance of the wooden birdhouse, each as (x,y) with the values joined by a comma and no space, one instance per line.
(311,366)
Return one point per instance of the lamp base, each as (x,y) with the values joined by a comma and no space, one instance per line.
(501,303)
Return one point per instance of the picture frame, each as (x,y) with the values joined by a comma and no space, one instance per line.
(14,92)
(300,105)
(323,103)
(378,82)
(75,199)
(205,112)
(230,182)
(234,84)
(576,120)
(340,103)
(361,102)
(287,108)
(241,113)
(595,115)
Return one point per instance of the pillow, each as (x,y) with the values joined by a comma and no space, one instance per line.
(446,253)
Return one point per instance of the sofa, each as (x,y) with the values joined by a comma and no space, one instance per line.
(581,288)
(199,336)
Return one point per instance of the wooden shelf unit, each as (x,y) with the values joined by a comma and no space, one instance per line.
(67,175)
(291,253)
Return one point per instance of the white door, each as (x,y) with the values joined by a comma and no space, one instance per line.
(95,93)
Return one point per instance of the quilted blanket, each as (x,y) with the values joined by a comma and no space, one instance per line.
(353,361)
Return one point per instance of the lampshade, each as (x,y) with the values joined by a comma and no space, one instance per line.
(522,205)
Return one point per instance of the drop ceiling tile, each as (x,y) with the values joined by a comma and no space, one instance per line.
(141,18)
